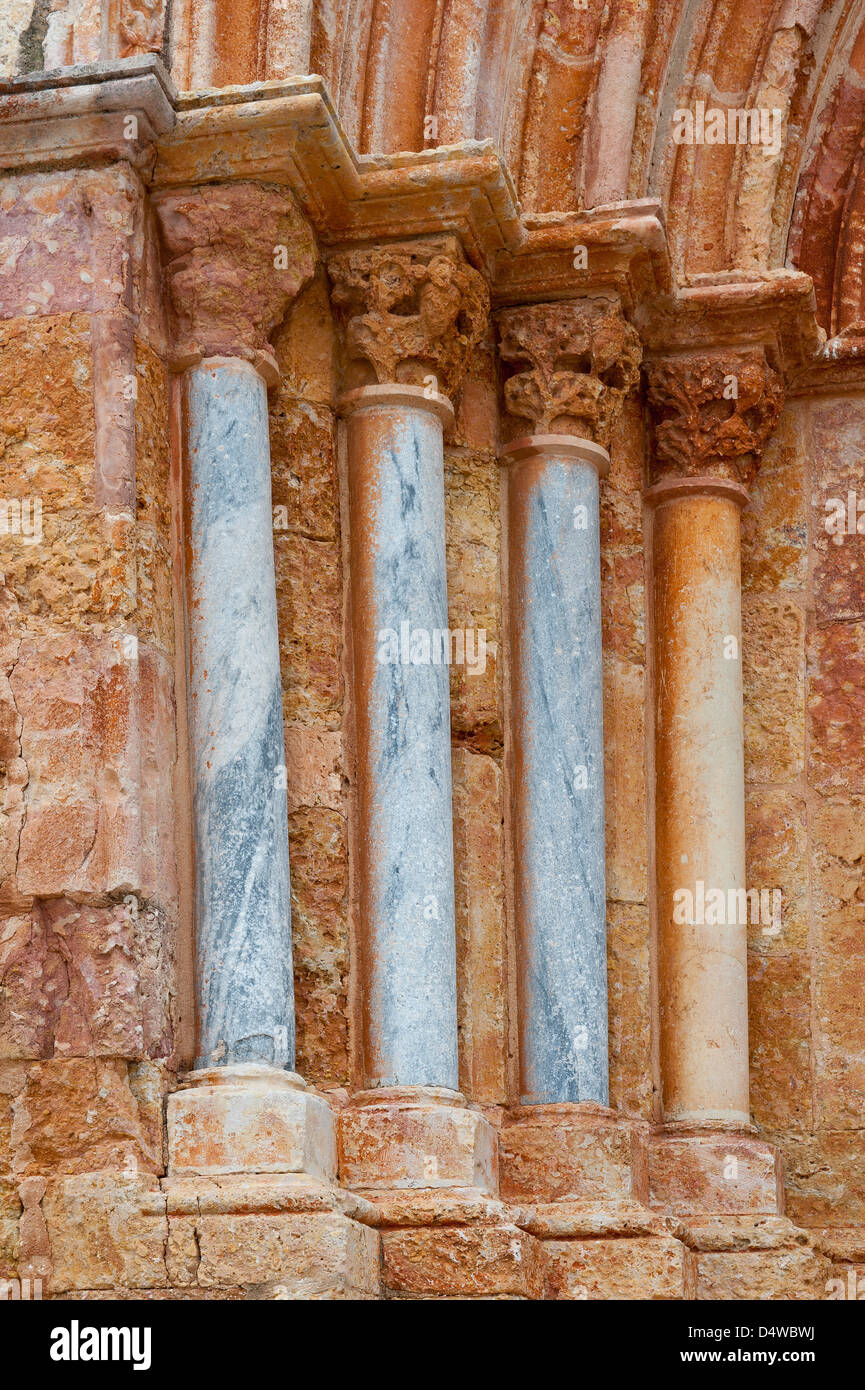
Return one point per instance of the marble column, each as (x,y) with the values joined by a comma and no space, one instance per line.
(237,747)
(558,767)
(242,1108)
(557,776)
(712,414)
(413,312)
(399,600)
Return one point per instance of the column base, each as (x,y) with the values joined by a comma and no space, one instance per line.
(705,1171)
(252,1200)
(249,1119)
(572,1152)
(415,1137)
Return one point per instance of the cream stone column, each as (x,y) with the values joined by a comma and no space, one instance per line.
(414,311)
(712,415)
(244,1109)
(568,367)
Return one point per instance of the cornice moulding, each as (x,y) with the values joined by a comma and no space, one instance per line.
(79,116)
(776,311)
(837,369)
(288,132)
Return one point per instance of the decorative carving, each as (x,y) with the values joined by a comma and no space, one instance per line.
(577,361)
(413,308)
(141,24)
(235,257)
(712,414)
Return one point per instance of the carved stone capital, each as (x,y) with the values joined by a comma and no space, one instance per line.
(412,309)
(575,362)
(235,255)
(712,414)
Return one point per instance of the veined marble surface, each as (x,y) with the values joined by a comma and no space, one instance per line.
(411,948)
(561,864)
(243,926)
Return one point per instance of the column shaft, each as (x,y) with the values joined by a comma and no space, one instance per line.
(700,810)
(399,615)
(243,935)
(558,771)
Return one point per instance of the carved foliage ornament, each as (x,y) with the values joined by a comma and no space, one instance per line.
(579,360)
(712,414)
(235,256)
(413,309)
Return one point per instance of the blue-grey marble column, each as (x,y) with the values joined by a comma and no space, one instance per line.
(558,767)
(243,919)
(402,711)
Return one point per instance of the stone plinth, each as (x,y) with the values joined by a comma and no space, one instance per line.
(563,1152)
(415,1138)
(250,1119)
(734,1174)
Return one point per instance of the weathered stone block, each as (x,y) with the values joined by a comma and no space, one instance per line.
(775,521)
(319,896)
(303,464)
(71,235)
(10,1212)
(555,1152)
(839,978)
(825,1178)
(308,1254)
(625,786)
(645,1268)
(630,1010)
(623,604)
(773,676)
(304,345)
(714,1173)
(82,1115)
(250,1119)
(480,926)
(777,858)
(838,859)
(415,1140)
(474,596)
(152,453)
(106,1232)
(779,1035)
(836,708)
(839,568)
(97,741)
(621,501)
(309,611)
(69,983)
(755,1274)
(459,1261)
